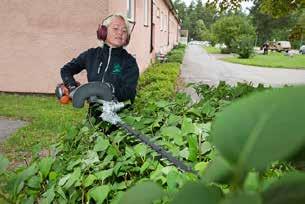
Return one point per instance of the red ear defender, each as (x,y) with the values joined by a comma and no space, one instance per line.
(101,32)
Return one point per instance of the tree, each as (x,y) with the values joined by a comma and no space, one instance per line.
(268,27)
(199,30)
(181,7)
(274,8)
(229,28)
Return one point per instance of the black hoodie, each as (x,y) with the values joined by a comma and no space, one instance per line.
(112,65)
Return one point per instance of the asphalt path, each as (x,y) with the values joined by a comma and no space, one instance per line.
(9,126)
(200,67)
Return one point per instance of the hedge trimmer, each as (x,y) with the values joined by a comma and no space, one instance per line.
(101,94)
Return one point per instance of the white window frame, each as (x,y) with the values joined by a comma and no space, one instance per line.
(161,20)
(165,23)
(158,12)
(146,12)
(131,10)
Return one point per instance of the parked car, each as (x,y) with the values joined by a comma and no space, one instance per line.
(279,46)
(302,50)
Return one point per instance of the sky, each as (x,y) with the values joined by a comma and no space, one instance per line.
(244,4)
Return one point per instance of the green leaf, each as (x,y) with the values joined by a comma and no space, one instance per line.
(48,196)
(197,193)
(102,175)
(101,144)
(289,189)
(218,170)
(201,166)
(64,179)
(91,158)
(193,148)
(4,162)
(144,193)
(242,198)
(205,147)
(117,197)
(89,180)
(34,182)
(53,176)
(99,193)
(162,104)
(45,166)
(140,149)
(172,178)
(252,182)
(61,193)
(264,127)
(170,131)
(184,153)
(73,163)
(144,166)
(75,176)
(173,120)
(187,126)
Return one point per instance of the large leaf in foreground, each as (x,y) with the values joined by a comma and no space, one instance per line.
(289,189)
(197,193)
(145,192)
(261,128)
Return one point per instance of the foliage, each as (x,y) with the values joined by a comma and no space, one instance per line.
(199,30)
(273,8)
(89,165)
(244,46)
(194,13)
(229,28)
(176,55)
(246,134)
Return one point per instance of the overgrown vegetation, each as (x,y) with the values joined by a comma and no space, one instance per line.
(176,55)
(229,137)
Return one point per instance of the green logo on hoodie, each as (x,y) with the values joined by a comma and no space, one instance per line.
(117,69)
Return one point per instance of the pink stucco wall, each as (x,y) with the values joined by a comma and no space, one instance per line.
(37,37)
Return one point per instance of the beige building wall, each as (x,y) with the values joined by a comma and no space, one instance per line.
(36,40)
(39,36)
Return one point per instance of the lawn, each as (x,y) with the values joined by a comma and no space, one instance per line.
(48,120)
(212,50)
(276,60)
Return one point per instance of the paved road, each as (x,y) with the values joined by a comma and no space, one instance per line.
(199,66)
(8,126)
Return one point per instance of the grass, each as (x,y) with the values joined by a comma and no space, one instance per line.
(47,119)
(212,50)
(276,60)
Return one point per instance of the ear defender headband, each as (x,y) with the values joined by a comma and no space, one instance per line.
(101,32)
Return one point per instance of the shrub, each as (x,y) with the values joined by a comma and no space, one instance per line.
(244,46)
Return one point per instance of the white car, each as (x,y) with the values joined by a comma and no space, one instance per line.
(302,49)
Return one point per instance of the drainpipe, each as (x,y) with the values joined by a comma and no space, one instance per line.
(151,25)
(168,12)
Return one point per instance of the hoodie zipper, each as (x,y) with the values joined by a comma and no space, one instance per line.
(109,57)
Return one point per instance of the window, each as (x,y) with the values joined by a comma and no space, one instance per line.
(146,12)
(161,21)
(165,23)
(130,10)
